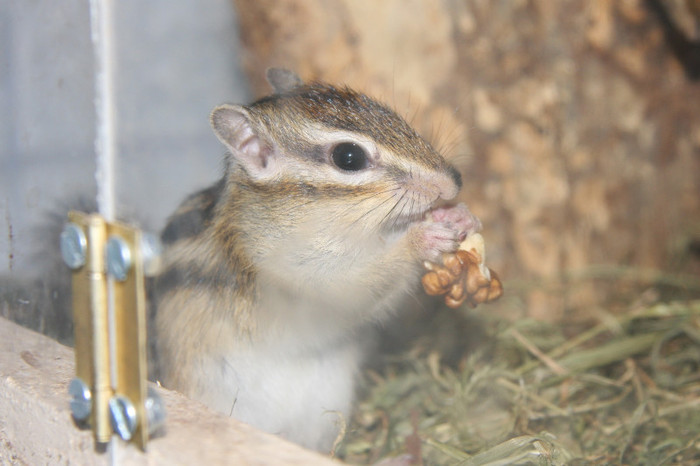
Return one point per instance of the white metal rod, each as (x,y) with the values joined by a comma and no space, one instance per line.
(102,34)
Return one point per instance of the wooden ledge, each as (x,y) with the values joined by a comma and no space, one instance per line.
(36,425)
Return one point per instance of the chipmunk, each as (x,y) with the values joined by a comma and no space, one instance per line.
(273,277)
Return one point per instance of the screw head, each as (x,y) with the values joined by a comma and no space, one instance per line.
(155,411)
(118,258)
(151,251)
(123,416)
(81,399)
(73,246)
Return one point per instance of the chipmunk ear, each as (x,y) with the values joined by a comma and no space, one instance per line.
(282,79)
(233,127)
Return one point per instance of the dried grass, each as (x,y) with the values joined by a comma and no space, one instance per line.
(624,390)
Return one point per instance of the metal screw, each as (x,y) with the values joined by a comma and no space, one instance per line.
(81,399)
(73,246)
(123,415)
(151,250)
(118,258)
(155,411)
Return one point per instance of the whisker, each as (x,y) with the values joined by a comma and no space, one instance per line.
(375,208)
(402,212)
(353,207)
(372,196)
(398,214)
(403,196)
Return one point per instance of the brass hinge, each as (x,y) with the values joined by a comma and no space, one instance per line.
(109,262)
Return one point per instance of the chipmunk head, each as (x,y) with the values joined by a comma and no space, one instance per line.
(316,142)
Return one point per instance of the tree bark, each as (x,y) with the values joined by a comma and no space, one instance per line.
(575,127)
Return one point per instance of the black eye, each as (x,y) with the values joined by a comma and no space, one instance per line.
(349,156)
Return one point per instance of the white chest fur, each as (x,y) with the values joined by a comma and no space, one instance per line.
(299,397)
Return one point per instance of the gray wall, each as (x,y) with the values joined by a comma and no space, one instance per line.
(175,61)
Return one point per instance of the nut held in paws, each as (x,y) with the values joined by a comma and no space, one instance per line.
(462,276)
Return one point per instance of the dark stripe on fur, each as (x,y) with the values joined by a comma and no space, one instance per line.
(193,215)
(191,275)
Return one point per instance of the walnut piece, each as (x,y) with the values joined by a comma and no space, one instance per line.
(462,276)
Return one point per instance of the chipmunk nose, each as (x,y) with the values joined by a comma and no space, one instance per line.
(456,177)
(450,183)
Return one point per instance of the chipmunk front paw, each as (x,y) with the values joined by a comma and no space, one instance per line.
(443,230)
(458,218)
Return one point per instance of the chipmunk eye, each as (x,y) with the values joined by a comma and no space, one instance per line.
(349,156)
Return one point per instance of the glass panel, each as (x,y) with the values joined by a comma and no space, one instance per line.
(174,62)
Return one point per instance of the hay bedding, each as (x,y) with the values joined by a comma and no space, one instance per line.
(622,388)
